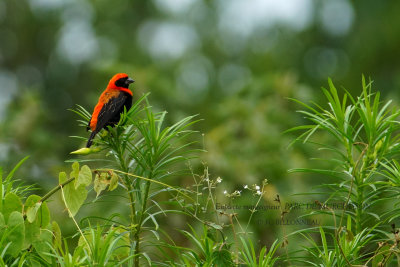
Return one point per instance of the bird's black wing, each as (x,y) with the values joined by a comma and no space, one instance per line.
(111,111)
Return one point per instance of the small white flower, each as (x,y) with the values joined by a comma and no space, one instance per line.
(245,186)
(258,192)
(225,192)
(219,180)
(206,179)
(257,187)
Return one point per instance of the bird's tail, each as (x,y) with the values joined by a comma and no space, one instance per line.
(90,141)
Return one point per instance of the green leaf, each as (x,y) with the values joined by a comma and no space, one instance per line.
(75,170)
(30,204)
(215,226)
(38,216)
(74,198)
(11,174)
(100,183)
(123,243)
(15,233)
(2,226)
(324,243)
(113,182)
(222,258)
(86,151)
(43,215)
(32,232)
(31,212)
(57,237)
(84,177)
(36,210)
(11,203)
(41,244)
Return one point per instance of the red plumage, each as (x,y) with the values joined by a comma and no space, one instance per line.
(111,104)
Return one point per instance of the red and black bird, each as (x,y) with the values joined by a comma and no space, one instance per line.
(111,104)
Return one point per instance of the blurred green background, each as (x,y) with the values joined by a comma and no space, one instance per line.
(233,62)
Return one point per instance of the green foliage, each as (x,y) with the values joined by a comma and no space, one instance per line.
(11,203)
(139,145)
(105,179)
(341,250)
(105,248)
(14,233)
(64,258)
(265,258)
(8,182)
(144,150)
(209,252)
(365,138)
(25,229)
(144,153)
(76,193)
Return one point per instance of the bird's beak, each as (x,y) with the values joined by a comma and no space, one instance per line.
(130,80)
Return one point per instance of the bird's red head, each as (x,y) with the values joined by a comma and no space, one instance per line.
(120,81)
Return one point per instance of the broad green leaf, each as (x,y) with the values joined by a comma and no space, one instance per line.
(62,176)
(43,215)
(38,217)
(15,233)
(100,183)
(36,210)
(31,201)
(84,177)
(41,244)
(31,212)
(113,182)
(74,197)
(32,232)
(11,203)
(57,238)
(75,170)
(30,204)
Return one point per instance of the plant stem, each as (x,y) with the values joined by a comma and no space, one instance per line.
(137,234)
(55,189)
(129,188)
(360,195)
(134,232)
(360,200)
(133,210)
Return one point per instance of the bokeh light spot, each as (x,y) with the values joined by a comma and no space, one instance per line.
(167,41)
(337,17)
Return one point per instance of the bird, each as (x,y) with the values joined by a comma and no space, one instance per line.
(112,102)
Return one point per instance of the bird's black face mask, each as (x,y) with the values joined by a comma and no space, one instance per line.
(124,82)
